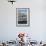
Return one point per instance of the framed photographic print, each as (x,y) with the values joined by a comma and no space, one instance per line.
(22,17)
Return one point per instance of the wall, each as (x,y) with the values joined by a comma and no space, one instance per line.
(37,29)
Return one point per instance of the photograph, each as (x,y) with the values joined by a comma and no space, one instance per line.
(22,17)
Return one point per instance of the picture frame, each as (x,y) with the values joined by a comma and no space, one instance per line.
(22,17)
